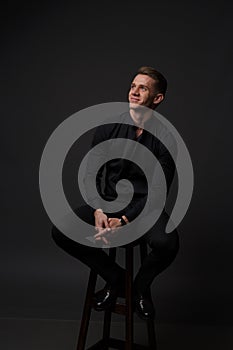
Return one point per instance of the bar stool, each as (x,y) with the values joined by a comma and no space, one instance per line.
(125,308)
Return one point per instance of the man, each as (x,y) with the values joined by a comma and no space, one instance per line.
(148,90)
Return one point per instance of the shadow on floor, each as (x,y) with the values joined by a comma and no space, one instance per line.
(32,334)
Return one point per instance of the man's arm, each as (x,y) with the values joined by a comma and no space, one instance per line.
(167,163)
(95,160)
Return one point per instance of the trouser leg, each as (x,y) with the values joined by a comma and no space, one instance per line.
(96,258)
(164,250)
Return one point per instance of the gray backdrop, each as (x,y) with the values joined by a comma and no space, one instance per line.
(58,58)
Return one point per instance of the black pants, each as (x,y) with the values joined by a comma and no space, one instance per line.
(164,248)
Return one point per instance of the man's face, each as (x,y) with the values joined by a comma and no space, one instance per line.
(142,92)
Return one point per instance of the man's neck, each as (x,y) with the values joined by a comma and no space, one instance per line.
(140,116)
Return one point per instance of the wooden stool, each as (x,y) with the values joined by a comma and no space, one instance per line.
(125,309)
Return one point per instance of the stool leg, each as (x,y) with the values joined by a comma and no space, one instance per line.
(151,335)
(106,328)
(150,323)
(108,313)
(87,311)
(128,299)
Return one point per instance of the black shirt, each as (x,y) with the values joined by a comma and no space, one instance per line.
(116,169)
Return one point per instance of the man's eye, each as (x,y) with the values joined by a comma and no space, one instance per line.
(143,88)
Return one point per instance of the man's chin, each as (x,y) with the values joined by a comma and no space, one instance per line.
(133,105)
(137,107)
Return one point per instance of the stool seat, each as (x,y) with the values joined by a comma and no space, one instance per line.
(122,308)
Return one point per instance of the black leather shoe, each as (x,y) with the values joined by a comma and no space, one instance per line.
(105,298)
(144,307)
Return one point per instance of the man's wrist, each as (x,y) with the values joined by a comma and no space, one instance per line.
(125,219)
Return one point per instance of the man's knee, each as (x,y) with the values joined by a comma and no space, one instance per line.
(86,213)
(71,247)
(165,243)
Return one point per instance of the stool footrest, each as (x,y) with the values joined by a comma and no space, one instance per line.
(120,309)
(100,345)
(117,344)
(120,345)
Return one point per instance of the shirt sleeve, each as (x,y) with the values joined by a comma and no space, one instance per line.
(95,160)
(167,162)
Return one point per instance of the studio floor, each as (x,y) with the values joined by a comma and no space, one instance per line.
(34,334)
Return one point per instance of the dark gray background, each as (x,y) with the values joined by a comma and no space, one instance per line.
(58,58)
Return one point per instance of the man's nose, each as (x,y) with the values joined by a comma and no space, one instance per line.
(135,91)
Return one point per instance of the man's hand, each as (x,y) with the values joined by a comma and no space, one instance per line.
(105,226)
(101,225)
(114,225)
(101,220)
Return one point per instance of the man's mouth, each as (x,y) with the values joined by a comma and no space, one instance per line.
(132,99)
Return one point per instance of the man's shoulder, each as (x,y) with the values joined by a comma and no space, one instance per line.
(118,118)
(110,127)
(113,122)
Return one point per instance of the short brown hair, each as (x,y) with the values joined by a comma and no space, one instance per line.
(161,82)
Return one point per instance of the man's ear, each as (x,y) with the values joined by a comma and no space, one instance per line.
(158,98)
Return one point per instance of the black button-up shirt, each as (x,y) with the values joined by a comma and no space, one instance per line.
(116,169)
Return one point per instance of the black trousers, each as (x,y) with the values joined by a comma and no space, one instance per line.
(164,248)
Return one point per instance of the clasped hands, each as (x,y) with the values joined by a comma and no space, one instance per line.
(105,226)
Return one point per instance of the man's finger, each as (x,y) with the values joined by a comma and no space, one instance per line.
(105,240)
(98,228)
(102,239)
(106,223)
(102,232)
